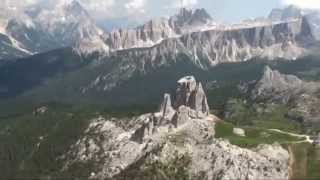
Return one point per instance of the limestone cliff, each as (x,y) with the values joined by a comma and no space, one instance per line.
(288,40)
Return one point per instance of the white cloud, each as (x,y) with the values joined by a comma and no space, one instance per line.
(97,4)
(184,3)
(309,4)
(136,6)
(188,3)
(17,4)
(99,8)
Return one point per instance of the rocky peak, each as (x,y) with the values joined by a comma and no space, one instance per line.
(301,96)
(62,25)
(155,31)
(275,77)
(294,12)
(276,87)
(183,16)
(314,21)
(290,12)
(190,103)
(75,8)
(190,20)
(269,74)
(191,94)
(201,15)
(166,106)
(199,101)
(191,17)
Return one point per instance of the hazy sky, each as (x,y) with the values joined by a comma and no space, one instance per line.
(223,10)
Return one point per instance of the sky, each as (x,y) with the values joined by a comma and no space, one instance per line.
(221,10)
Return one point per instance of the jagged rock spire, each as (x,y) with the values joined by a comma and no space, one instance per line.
(199,100)
(190,103)
(186,86)
(166,107)
(191,94)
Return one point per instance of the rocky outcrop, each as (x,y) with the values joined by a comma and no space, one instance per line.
(183,130)
(301,96)
(10,48)
(190,103)
(279,86)
(191,94)
(317,140)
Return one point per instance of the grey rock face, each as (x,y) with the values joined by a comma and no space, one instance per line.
(156,30)
(187,21)
(10,49)
(146,35)
(199,101)
(166,106)
(191,94)
(290,12)
(314,21)
(294,12)
(317,140)
(230,162)
(212,47)
(48,29)
(302,96)
(186,86)
(277,85)
(190,103)
(215,160)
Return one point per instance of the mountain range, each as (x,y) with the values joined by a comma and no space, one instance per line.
(237,100)
(66,37)
(70,25)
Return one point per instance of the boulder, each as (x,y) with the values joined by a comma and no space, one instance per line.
(239,132)
(317,141)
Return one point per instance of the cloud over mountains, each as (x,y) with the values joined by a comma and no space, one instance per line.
(309,4)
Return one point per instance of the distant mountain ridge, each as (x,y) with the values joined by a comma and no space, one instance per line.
(294,12)
(44,30)
(157,30)
(107,62)
(70,25)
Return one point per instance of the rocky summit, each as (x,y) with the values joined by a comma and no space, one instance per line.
(302,97)
(180,134)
